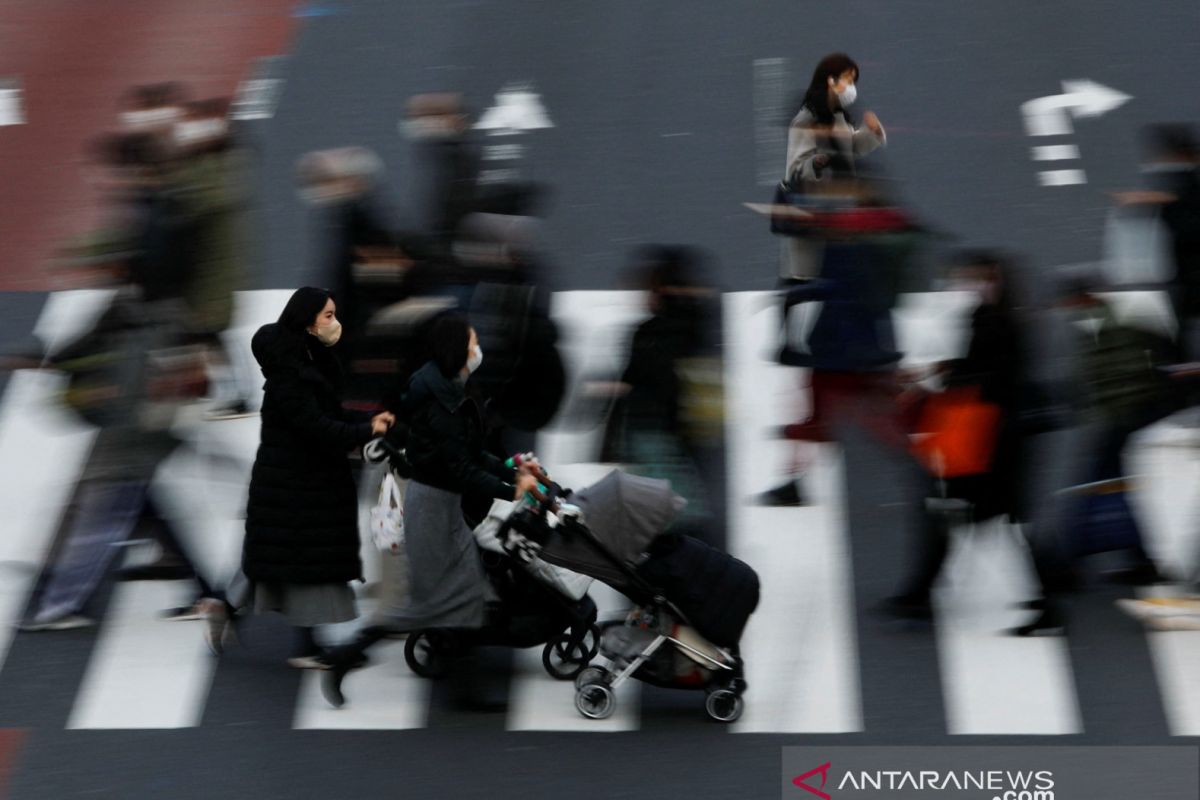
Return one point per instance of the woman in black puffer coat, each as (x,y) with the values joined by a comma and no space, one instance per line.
(301,547)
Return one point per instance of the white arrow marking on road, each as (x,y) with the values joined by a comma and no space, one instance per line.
(1046,116)
(517,109)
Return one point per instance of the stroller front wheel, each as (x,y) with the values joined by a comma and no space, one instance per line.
(426,655)
(596,701)
(724,705)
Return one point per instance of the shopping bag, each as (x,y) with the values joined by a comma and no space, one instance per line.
(387,517)
(957,433)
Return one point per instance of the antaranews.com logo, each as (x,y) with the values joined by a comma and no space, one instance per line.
(1006,784)
(990,773)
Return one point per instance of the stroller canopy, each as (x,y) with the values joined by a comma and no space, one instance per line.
(624,512)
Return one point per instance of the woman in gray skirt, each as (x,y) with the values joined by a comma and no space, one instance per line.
(301,547)
(448,587)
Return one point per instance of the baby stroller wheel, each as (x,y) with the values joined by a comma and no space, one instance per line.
(563,661)
(596,701)
(426,655)
(724,705)
(592,675)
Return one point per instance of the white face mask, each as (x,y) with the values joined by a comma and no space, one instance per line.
(847,97)
(475,360)
(328,335)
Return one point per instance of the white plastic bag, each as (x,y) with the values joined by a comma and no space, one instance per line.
(387,517)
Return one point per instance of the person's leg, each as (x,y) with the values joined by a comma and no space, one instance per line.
(933,546)
(106,514)
(812,430)
(172,543)
(343,659)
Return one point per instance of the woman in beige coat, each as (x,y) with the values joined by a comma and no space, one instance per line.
(823,145)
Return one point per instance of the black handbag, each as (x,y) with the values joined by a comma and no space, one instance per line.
(783,223)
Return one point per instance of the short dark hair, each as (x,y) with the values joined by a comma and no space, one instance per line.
(448,340)
(1174,139)
(665,265)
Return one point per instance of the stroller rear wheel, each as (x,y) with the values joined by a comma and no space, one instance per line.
(564,661)
(427,654)
(724,705)
(596,701)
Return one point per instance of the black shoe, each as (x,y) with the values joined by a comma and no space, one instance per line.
(786,495)
(235,410)
(161,570)
(908,607)
(1144,574)
(338,664)
(331,684)
(1047,623)
(1031,605)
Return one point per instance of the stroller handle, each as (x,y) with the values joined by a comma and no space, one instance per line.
(548,505)
(379,450)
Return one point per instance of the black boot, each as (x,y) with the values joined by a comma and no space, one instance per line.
(342,660)
(1047,623)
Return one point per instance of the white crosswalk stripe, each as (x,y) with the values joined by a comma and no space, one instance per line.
(800,647)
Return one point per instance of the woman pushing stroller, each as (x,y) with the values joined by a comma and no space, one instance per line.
(445,448)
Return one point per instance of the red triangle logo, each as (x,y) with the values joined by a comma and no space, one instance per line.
(823,770)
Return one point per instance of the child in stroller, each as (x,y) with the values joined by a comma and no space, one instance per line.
(692,601)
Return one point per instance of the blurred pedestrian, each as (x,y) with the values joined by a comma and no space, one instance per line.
(128,376)
(1172,168)
(1124,390)
(975,451)
(658,427)
(850,349)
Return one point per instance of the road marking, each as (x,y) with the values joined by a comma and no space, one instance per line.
(146,672)
(800,644)
(993,682)
(517,109)
(1054,152)
(1062,177)
(1047,116)
(770,132)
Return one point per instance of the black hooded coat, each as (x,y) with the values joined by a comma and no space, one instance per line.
(302,515)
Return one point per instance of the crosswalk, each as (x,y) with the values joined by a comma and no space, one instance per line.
(802,647)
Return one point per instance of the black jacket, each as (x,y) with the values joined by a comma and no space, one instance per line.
(995,363)
(302,517)
(445,439)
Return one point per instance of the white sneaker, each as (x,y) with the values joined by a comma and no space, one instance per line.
(218,629)
(1161,612)
(66,622)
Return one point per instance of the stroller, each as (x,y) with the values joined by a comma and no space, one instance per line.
(692,601)
(537,604)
